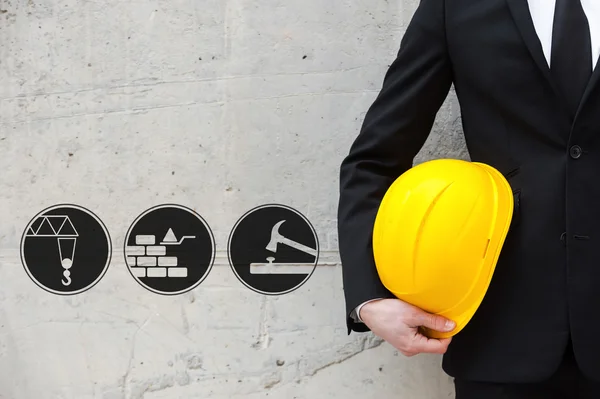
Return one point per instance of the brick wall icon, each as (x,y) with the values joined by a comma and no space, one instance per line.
(147,258)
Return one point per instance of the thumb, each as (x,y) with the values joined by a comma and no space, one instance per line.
(433,321)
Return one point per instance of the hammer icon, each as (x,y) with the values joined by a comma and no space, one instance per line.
(277,238)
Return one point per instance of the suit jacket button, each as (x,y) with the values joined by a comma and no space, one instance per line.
(575,152)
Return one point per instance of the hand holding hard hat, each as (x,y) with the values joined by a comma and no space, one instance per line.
(438,235)
(398,323)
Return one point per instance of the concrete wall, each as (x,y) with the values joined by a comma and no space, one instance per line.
(220,106)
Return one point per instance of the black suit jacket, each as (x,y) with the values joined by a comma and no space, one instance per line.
(546,286)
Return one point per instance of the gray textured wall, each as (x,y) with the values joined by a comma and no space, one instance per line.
(216,105)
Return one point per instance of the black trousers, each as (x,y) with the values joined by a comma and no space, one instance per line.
(567,383)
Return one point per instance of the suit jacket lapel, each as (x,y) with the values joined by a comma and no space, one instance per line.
(594,80)
(522,17)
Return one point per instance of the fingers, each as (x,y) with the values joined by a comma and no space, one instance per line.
(431,321)
(422,344)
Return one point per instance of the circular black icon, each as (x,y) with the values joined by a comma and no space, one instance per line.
(273,249)
(169,249)
(66,249)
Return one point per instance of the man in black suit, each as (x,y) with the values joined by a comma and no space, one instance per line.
(525,78)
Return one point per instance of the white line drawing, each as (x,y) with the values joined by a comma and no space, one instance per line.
(170,238)
(149,259)
(277,238)
(61,228)
(281,268)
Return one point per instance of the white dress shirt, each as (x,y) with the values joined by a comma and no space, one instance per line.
(542,14)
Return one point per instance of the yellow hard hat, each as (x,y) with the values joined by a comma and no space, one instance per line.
(438,234)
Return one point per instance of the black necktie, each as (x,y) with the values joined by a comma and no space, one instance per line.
(571,54)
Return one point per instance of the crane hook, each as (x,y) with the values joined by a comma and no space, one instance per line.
(67,279)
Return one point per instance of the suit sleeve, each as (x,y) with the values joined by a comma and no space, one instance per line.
(394,130)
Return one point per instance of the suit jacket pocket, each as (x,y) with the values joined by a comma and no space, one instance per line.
(516,218)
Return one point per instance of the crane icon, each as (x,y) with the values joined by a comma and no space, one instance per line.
(61,228)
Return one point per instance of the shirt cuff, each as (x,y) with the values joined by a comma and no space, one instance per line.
(356,312)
